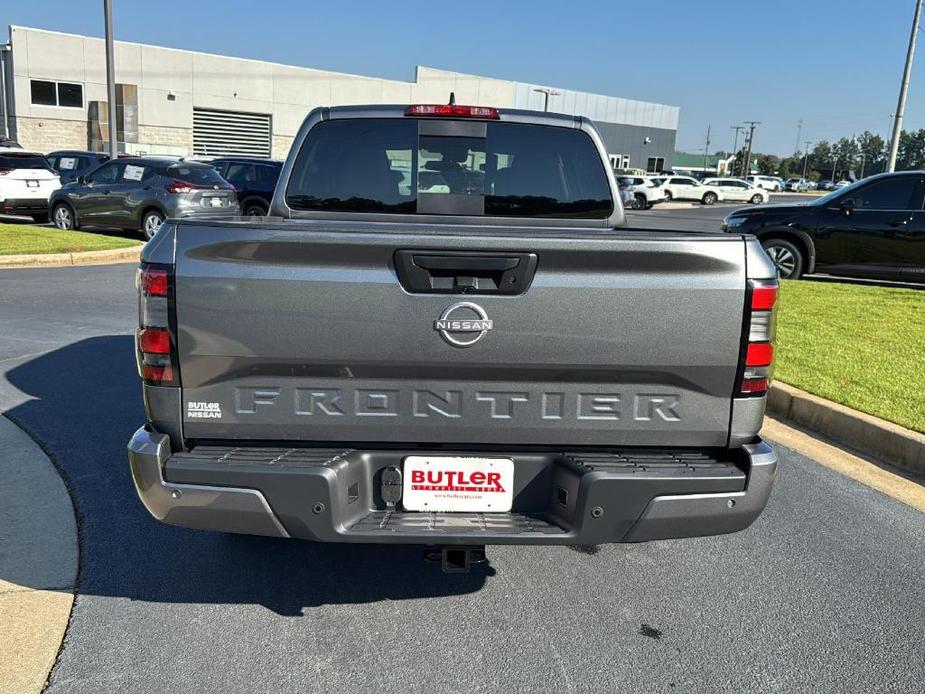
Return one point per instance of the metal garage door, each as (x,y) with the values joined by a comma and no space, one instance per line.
(220,133)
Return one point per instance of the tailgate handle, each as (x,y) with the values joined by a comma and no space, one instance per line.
(465,273)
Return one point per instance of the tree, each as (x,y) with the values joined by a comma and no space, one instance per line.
(822,156)
(911,153)
(768,164)
(872,150)
(846,155)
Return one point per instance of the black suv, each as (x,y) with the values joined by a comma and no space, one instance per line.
(254,180)
(135,193)
(874,228)
(71,163)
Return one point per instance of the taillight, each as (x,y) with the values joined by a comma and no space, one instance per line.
(4,172)
(155,341)
(153,281)
(453,111)
(181,187)
(757,359)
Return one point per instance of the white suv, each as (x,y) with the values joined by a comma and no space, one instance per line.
(772,183)
(26,182)
(646,192)
(737,190)
(687,188)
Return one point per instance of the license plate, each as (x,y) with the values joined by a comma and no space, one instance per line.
(32,184)
(215,202)
(464,484)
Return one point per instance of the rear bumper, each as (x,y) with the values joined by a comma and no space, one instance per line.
(26,206)
(334,495)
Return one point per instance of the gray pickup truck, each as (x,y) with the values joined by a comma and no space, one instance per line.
(446,335)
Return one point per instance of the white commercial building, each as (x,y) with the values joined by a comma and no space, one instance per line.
(182,102)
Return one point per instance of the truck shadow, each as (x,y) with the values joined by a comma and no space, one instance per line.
(86,404)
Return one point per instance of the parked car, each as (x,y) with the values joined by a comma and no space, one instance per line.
(485,365)
(840,185)
(769,183)
(27,179)
(627,194)
(254,181)
(646,192)
(69,164)
(138,193)
(798,185)
(687,188)
(737,190)
(825,184)
(874,228)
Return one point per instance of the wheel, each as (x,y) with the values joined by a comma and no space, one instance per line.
(639,201)
(786,257)
(64,217)
(668,196)
(254,209)
(40,218)
(151,222)
(757,199)
(708,198)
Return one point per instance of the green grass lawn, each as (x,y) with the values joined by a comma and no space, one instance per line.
(16,239)
(860,346)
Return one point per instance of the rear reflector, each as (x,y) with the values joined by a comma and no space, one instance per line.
(154,281)
(754,386)
(764,297)
(759,354)
(157,374)
(154,341)
(452,111)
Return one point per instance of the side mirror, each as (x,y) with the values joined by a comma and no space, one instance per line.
(846,207)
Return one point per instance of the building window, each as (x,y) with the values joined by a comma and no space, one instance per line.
(66,94)
(619,161)
(655,164)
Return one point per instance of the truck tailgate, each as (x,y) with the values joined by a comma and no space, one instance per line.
(304,332)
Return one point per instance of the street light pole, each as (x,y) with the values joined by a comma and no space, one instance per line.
(735,144)
(904,88)
(751,140)
(111,81)
(806,145)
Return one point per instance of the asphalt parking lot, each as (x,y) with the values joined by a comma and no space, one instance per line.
(692,216)
(822,594)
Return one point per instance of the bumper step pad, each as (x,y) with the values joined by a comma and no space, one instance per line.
(475,524)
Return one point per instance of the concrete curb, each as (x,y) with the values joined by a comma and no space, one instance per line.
(117,255)
(38,562)
(877,437)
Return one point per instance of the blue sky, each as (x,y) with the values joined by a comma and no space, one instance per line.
(836,66)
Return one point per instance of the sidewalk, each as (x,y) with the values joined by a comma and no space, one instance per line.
(38,562)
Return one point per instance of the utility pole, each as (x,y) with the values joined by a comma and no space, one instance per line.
(904,88)
(799,132)
(805,156)
(706,149)
(547,93)
(834,167)
(735,144)
(111,81)
(751,139)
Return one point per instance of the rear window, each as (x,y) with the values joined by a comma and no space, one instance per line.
(24,161)
(197,175)
(478,168)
